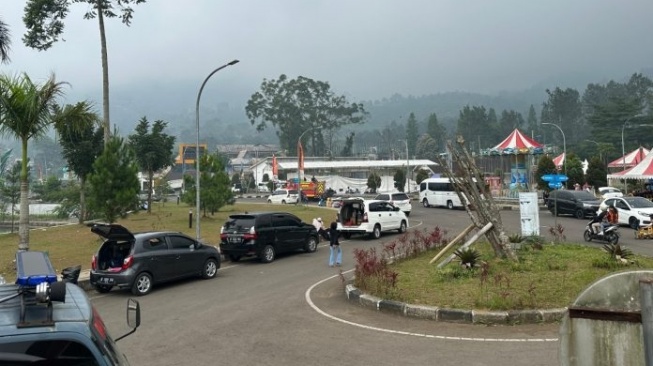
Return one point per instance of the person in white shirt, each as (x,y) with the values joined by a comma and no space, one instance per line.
(319,226)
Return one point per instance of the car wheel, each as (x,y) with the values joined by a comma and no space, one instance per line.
(580,214)
(632,222)
(346,235)
(311,245)
(142,284)
(267,254)
(425,203)
(587,235)
(283,202)
(407,213)
(450,205)
(376,232)
(103,289)
(234,258)
(269,201)
(402,227)
(210,268)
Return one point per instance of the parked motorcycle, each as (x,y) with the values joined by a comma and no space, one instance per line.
(610,234)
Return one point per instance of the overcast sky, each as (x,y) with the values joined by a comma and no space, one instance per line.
(366,49)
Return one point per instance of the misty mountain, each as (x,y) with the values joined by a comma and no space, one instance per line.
(222,107)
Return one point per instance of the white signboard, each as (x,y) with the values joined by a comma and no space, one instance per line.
(529,213)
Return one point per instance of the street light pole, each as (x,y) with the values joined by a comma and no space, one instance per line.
(197,148)
(407,165)
(564,145)
(299,178)
(623,149)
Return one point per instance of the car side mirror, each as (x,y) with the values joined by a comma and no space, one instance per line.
(133,317)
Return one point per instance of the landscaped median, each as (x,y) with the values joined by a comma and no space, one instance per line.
(476,287)
(454,315)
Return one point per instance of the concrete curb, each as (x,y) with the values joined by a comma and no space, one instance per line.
(511,317)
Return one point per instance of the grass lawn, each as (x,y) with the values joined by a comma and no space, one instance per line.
(548,278)
(75,244)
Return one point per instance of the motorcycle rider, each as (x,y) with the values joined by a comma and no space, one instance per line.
(612,218)
(595,225)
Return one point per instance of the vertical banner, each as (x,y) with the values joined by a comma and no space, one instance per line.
(275,168)
(300,161)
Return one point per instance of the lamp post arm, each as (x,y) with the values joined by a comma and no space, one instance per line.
(197,149)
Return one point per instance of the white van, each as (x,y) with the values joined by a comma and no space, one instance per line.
(438,192)
(360,216)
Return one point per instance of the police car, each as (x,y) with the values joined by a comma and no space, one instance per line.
(48,322)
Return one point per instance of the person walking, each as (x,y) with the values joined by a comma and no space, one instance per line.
(335,255)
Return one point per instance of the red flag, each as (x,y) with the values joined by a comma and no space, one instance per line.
(275,167)
(300,161)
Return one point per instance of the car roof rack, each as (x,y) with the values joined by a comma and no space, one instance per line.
(37,285)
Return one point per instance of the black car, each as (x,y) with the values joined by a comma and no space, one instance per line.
(578,203)
(266,234)
(139,260)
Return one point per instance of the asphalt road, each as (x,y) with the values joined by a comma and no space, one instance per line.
(293,312)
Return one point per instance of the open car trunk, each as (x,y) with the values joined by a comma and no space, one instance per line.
(112,254)
(351,213)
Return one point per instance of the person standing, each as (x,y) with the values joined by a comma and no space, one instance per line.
(319,226)
(335,255)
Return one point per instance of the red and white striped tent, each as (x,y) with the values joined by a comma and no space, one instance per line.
(517,140)
(559,161)
(633,158)
(643,170)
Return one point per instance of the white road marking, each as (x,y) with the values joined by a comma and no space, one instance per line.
(307,296)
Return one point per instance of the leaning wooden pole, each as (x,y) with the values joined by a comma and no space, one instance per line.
(452,243)
(469,242)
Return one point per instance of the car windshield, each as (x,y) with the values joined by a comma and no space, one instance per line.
(639,202)
(609,190)
(239,223)
(400,197)
(292,191)
(584,196)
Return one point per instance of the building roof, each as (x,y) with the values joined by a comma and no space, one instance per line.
(334,164)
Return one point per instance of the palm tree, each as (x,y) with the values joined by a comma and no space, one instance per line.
(81,143)
(5,42)
(27,111)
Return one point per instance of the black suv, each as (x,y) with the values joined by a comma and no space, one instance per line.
(265,234)
(139,260)
(578,203)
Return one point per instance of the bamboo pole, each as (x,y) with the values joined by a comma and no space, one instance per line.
(468,243)
(454,241)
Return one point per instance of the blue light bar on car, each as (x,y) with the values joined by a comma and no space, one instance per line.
(33,268)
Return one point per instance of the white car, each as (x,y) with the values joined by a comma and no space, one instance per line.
(371,217)
(284,196)
(609,192)
(631,209)
(263,187)
(399,199)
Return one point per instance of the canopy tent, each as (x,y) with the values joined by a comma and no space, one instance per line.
(517,140)
(643,170)
(559,161)
(631,159)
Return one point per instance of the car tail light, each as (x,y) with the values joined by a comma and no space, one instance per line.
(94,262)
(98,325)
(365,217)
(127,262)
(251,235)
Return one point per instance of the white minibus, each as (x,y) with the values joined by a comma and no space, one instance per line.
(438,192)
